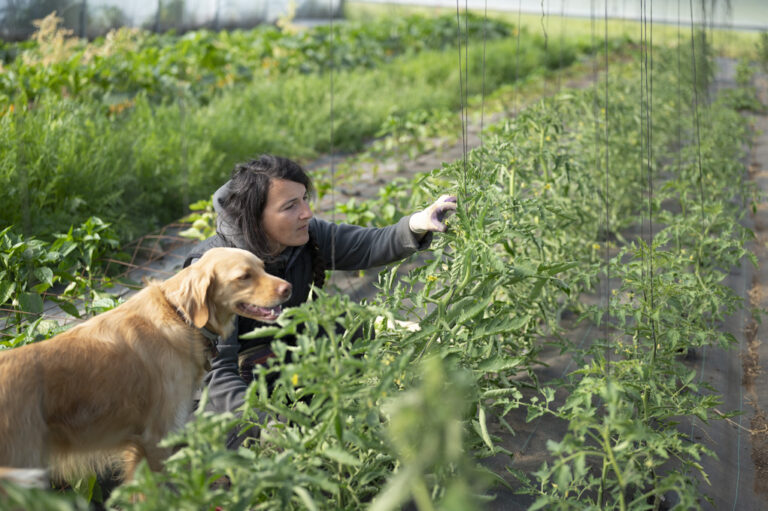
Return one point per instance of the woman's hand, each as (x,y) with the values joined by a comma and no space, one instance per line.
(432,218)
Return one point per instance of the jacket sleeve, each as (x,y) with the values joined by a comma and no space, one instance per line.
(351,247)
(226,389)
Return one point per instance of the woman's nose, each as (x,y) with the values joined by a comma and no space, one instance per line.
(306,211)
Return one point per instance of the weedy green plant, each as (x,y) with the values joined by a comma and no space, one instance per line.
(356,213)
(16,497)
(409,134)
(31,267)
(27,272)
(744,97)
(203,220)
(762,50)
(83,250)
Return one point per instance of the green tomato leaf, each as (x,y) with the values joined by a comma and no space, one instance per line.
(31,302)
(6,290)
(341,456)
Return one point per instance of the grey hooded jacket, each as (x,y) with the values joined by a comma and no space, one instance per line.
(342,247)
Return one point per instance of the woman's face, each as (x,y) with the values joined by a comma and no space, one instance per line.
(286,215)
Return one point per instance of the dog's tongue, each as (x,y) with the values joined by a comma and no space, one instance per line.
(268,312)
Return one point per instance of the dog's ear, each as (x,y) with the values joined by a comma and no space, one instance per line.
(193,296)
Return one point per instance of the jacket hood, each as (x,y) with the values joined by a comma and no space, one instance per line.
(225,226)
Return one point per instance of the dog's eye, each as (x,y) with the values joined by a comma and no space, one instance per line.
(245,276)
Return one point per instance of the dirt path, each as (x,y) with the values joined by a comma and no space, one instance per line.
(739,475)
(755,378)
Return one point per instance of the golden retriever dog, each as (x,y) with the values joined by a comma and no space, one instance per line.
(112,387)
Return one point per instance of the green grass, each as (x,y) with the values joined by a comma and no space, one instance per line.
(733,43)
(66,160)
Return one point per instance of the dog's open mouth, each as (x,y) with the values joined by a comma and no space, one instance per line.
(260,313)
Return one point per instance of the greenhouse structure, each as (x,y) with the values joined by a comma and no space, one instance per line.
(384,255)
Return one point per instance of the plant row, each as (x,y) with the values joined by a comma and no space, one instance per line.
(678,166)
(201,63)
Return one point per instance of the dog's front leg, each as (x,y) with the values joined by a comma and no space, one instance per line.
(136,451)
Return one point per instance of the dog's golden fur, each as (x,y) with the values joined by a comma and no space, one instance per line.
(110,388)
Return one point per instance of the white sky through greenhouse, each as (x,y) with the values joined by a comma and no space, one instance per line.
(202,11)
(743,13)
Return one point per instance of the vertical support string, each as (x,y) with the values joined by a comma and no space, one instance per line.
(482,103)
(543,27)
(562,43)
(463,114)
(332,165)
(697,126)
(643,237)
(606,187)
(517,60)
(596,116)
(679,99)
(649,132)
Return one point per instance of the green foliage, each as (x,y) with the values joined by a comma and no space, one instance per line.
(65,160)
(361,413)
(762,50)
(30,267)
(201,64)
(744,96)
(27,271)
(15,497)
(203,220)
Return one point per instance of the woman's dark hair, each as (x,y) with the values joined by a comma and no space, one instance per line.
(249,189)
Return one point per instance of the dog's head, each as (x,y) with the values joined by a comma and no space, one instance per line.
(225,282)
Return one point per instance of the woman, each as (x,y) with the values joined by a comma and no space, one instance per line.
(264,208)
